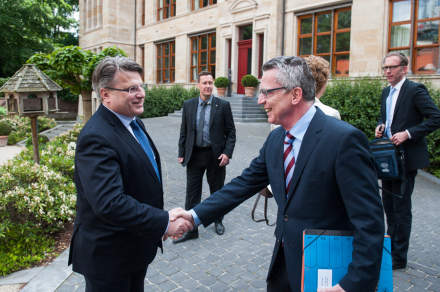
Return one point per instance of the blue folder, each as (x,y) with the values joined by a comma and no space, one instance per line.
(326,250)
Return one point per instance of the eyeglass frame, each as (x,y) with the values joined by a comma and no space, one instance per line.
(392,68)
(131,87)
(270,90)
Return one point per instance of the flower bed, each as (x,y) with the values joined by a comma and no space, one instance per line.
(35,201)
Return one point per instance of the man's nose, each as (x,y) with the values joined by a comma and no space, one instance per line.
(261,99)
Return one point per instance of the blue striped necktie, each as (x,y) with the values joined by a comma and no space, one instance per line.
(389,105)
(142,139)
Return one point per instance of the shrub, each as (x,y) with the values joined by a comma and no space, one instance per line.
(221,82)
(13,139)
(35,200)
(22,126)
(67,95)
(5,129)
(42,139)
(160,100)
(2,111)
(249,81)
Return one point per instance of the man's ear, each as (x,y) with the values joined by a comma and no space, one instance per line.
(104,94)
(296,95)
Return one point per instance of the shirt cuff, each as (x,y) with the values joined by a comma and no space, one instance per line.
(409,135)
(197,221)
(166,230)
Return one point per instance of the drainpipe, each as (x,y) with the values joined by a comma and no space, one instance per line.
(135,13)
(282,31)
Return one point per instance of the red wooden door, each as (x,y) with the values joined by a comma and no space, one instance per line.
(244,62)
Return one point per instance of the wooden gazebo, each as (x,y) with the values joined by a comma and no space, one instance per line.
(27,94)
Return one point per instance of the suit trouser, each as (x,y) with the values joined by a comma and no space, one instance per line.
(202,159)
(399,215)
(278,280)
(130,283)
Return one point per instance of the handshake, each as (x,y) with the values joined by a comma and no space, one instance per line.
(181,222)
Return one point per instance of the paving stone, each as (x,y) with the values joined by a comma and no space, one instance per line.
(240,285)
(167,286)
(80,288)
(189,284)
(419,283)
(434,287)
(67,288)
(418,274)
(208,281)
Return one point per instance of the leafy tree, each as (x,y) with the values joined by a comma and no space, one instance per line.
(71,67)
(29,26)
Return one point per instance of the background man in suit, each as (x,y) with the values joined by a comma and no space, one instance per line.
(322,175)
(207,140)
(407,115)
(120,219)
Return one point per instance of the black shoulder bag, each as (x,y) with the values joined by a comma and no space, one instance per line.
(389,160)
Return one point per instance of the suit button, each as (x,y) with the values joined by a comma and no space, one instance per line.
(286,217)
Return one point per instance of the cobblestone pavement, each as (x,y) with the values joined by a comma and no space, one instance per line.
(239,259)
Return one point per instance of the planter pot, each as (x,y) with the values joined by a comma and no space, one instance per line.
(3,141)
(249,91)
(221,91)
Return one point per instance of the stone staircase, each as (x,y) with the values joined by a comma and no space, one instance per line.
(62,126)
(244,109)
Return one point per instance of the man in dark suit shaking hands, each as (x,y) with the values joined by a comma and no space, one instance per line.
(322,175)
(407,115)
(207,140)
(120,220)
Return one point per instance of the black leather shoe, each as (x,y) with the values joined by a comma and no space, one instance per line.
(399,265)
(187,236)
(219,228)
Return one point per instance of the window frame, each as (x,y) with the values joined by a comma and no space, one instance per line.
(314,34)
(201,5)
(161,72)
(162,11)
(210,64)
(413,47)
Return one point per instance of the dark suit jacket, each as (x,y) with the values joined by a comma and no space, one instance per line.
(413,106)
(120,218)
(221,128)
(333,186)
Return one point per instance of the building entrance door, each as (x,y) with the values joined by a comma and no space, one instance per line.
(244,62)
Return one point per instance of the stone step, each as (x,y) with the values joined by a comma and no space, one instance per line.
(62,126)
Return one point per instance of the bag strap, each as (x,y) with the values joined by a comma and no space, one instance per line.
(266,194)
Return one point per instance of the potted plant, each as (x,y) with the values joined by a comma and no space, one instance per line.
(5,130)
(249,83)
(221,83)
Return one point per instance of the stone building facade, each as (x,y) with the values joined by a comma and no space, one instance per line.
(175,39)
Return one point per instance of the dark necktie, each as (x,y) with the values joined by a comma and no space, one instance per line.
(201,125)
(142,139)
(289,160)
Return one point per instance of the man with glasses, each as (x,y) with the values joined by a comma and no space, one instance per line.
(407,115)
(120,221)
(207,140)
(322,175)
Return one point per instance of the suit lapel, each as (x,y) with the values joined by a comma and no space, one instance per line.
(401,93)
(308,144)
(279,165)
(214,108)
(193,113)
(123,132)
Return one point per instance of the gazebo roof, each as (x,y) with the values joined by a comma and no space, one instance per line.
(30,79)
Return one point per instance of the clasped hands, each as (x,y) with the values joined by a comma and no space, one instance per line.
(181,222)
(397,138)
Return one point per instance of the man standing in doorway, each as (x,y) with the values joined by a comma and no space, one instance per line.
(207,140)
(407,115)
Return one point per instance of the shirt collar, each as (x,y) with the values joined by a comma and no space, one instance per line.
(209,101)
(299,129)
(125,120)
(399,85)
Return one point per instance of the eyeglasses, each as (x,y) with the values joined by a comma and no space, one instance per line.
(392,68)
(266,91)
(132,89)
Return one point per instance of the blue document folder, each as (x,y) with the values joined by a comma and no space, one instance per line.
(327,254)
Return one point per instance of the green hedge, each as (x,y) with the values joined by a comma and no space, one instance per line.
(35,201)
(161,100)
(358,102)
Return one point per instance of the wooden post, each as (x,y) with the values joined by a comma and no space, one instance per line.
(35,139)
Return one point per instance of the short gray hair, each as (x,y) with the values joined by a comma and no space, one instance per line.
(293,72)
(105,72)
(402,57)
